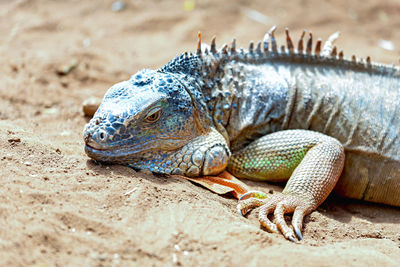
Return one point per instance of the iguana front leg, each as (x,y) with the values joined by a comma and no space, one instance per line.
(313,162)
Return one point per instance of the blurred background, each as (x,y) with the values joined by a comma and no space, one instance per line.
(92,44)
(86,46)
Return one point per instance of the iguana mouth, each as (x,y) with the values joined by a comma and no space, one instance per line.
(116,150)
(123,153)
(93,145)
(112,154)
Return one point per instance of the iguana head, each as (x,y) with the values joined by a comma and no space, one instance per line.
(154,121)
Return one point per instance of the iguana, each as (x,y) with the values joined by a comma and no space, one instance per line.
(265,113)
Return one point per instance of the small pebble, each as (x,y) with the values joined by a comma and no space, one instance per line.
(50,111)
(130,191)
(101,257)
(67,68)
(65,133)
(89,106)
(387,45)
(86,42)
(118,6)
(258,16)
(174,258)
(189,5)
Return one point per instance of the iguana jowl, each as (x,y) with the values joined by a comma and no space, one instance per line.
(264,114)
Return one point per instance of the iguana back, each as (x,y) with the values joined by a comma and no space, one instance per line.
(360,107)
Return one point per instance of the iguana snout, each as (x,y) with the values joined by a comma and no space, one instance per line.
(150,122)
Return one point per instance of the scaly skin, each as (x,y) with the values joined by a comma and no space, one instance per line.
(237,110)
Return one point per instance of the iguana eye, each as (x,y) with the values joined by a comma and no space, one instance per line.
(153,116)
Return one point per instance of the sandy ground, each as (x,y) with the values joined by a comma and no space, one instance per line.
(58,208)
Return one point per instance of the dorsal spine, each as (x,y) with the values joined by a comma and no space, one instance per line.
(326,54)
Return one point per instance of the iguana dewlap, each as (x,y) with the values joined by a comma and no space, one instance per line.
(301,115)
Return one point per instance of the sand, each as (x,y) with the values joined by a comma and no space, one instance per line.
(59,208)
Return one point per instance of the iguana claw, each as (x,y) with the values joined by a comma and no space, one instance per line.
(291,238)
(298,232)
(279,204)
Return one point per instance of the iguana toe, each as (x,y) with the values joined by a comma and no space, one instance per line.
(246,205)
(297,220)
(250,200)
(284,206)
(279,204)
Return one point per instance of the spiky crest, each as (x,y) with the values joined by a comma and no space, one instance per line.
(318,47)
(309,45)
(328,46)
(233,46)
(267,49)
(289,41)
(213,45)
(199,43)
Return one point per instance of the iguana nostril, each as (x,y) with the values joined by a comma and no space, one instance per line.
(102,135)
